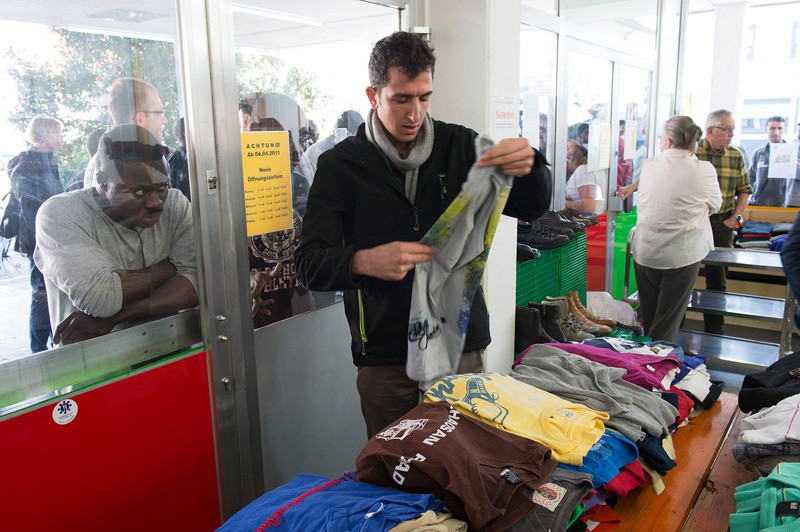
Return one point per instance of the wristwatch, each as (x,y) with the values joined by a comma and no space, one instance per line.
(739,219)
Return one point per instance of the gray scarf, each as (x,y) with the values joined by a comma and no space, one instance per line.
(418,152)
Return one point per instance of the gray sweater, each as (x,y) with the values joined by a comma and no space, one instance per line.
(633,409)
(78,248)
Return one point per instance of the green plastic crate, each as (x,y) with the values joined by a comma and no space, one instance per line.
(572,267)
(538,278)
(555,273)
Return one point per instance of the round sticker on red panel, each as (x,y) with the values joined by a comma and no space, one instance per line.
(65,411)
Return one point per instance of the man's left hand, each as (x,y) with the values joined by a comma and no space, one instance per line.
(78,327)
(513,156)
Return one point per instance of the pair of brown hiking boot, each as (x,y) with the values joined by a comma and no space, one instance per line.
(593,323)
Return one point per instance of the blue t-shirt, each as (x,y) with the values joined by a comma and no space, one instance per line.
(311,502)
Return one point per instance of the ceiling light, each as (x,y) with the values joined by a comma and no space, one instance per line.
(275,15)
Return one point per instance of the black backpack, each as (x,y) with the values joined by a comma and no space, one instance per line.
(9,224)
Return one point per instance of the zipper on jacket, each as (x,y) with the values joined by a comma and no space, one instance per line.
(416,219)
(361,328)
(442,187)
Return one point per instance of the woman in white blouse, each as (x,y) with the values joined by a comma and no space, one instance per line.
(582,191)
(676,194)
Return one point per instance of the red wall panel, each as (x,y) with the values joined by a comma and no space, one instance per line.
(139,455)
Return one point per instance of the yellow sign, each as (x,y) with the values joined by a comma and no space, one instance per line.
(267,173)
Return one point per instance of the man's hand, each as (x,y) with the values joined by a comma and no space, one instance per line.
(730,222)
(78,327)
(390,262)
(258,282)
(514,156)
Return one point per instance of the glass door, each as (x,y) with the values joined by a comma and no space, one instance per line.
(604,127)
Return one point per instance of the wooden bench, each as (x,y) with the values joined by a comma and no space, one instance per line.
(692,483)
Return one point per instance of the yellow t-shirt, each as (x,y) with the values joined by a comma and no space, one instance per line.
(567,428)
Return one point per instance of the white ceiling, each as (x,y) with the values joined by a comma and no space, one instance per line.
(341,20)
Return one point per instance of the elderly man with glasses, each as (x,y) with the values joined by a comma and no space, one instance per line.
(734,183)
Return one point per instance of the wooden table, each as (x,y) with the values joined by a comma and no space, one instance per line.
(697,447)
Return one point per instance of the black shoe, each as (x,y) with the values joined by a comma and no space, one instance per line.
(551,321)
(528,329)
(554,219)
(636,330)
(525,253)
(540,236)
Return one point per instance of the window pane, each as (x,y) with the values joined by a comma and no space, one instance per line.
(589,133)
(304,80)
(538,87)
(121,250)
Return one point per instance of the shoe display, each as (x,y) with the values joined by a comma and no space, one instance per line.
(589,220)
(551,320)
(573,308)
(572,330)
(588,313)
(528,329)
(552,218)
(540,236)
(567,316)
(525,253)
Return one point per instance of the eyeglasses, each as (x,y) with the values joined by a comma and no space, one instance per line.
(159,112)
(726,129)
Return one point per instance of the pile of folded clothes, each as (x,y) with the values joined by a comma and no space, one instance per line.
(755,235)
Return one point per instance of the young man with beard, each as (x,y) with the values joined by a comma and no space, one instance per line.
(375,194)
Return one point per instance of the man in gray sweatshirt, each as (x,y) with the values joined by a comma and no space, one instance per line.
(122,250)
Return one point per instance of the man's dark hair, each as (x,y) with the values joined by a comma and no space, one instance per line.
(246,108)
(128,144)
(780,119)
(583,126)
(406,51)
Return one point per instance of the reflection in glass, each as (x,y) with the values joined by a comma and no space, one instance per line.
(589,132)
(538,88)
(309,82)
(633,120)
(69,75)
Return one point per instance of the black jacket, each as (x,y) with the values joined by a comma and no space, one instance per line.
(34,179)
(356,202)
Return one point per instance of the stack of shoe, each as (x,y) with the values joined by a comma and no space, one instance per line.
(574,330)
(575,216)
(540,236)
(555,219)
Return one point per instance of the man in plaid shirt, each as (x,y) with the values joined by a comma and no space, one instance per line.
(734,183)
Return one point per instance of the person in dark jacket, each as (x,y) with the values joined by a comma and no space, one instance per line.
(34,179)
(375,195)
